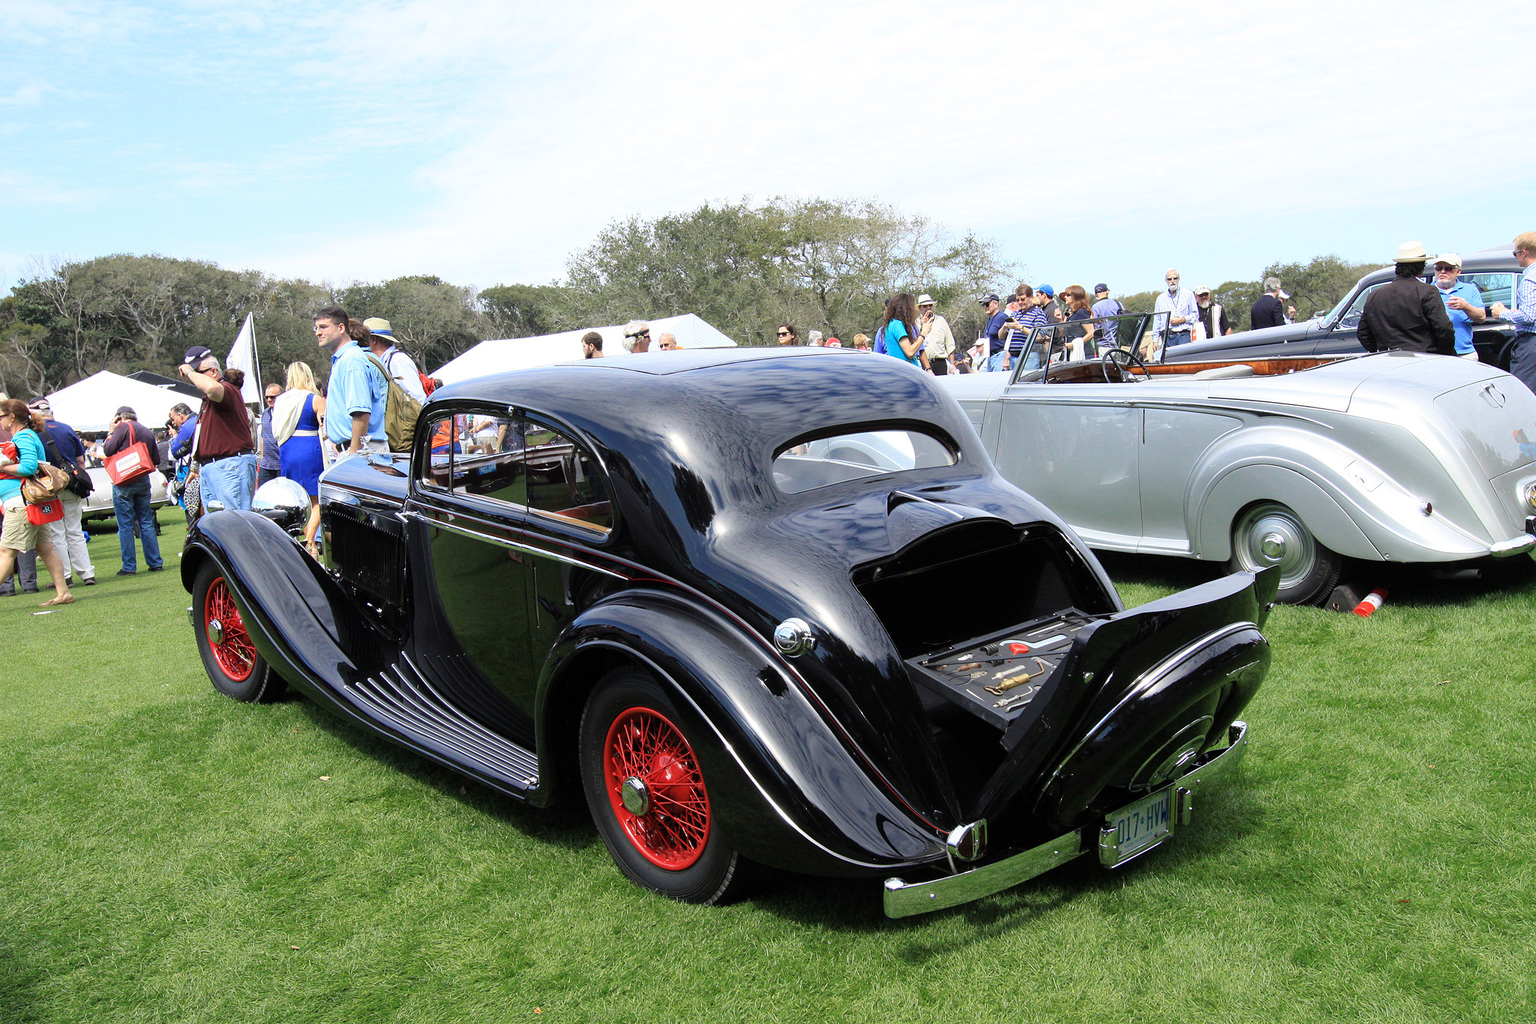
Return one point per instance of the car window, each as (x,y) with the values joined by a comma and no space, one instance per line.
(830,459)
(476,454)
(1351,318)
(446,433)
(563,480)
(490,464)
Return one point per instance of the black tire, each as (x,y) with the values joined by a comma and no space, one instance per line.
(1267,533)
(230,658)
(665,838)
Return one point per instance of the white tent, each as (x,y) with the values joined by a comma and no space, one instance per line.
(520,353)
(90,404)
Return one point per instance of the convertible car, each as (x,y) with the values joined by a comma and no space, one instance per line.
(1336,332)
(1296,463)
(756,607)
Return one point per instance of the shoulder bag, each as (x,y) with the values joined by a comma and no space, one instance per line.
(79,481)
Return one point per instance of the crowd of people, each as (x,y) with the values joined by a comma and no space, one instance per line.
(214,457)
(910,329)
(218,455)
(1408,313)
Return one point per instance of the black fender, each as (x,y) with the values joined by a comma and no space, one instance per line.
(1172,675)
(300,619)
(787,790)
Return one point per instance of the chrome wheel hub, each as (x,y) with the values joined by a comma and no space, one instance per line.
(1269,535)
(215,632)
(637,800)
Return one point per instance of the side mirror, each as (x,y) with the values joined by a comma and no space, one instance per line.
(1319,314)
(214,506)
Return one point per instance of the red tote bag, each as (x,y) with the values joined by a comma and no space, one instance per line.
(129,464)
(45,512)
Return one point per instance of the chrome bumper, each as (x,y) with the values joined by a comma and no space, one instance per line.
(1523,544)
(904,899)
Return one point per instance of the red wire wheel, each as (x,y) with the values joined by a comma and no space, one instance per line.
(230,656)
(227,639)
(655,788)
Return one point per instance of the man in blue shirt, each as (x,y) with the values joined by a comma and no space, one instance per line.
(1463,302)
(356,391)
(188,487)
(997,348)
(267,465)
(1523,363)
(1024,312)
(1103,305)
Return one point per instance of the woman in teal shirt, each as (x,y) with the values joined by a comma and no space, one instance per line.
(896,330)
(16,533)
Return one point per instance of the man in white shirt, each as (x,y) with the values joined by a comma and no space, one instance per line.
(1182,308)
(400,366)
(933,330)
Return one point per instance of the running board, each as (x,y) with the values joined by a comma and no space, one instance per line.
(406,702)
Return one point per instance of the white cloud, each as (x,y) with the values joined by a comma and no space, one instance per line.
(522,130)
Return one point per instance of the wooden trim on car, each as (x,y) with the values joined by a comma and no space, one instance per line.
(1261,367)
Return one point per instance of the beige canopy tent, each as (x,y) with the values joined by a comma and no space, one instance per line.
(502,354)
(89,405)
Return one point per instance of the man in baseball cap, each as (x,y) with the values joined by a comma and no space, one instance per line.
(225,452)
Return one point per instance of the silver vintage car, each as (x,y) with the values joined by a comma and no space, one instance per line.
(1301,463)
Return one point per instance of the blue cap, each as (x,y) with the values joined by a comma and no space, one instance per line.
(1046,289)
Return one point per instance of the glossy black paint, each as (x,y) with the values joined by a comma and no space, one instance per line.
(473,631)
(1337,332)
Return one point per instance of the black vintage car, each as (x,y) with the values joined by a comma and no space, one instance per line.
(1336,332)
(758,606)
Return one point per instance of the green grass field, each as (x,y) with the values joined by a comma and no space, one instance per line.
(167,854)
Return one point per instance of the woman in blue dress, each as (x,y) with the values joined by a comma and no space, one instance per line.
(296,419)
(896,333)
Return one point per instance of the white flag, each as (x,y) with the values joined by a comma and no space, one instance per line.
(243,357)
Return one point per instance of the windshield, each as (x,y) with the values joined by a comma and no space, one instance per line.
(1089,338)
(1334,312)
(833,458)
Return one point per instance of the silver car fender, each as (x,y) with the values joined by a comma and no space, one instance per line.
(1350,506)
(1298,486)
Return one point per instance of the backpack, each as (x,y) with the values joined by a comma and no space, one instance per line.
(400,411)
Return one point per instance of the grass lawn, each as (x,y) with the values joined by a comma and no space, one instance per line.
(167,854)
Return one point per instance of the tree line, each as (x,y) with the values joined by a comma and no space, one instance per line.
(819,264)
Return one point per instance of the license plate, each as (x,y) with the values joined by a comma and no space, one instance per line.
(1142,824)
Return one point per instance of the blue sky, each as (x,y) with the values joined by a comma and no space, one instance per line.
(486,141)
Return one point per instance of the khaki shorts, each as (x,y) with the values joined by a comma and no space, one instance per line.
(18,534)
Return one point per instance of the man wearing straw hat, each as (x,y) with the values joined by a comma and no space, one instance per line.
(1406,312)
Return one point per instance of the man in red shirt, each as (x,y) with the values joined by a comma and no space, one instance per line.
(223,451)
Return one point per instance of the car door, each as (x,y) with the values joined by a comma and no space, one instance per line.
(1175,435)
(569,516)
(1075,447)
(472,494)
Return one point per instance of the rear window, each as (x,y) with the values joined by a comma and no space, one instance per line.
(834,458)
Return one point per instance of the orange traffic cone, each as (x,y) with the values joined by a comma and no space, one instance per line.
(1375,599)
